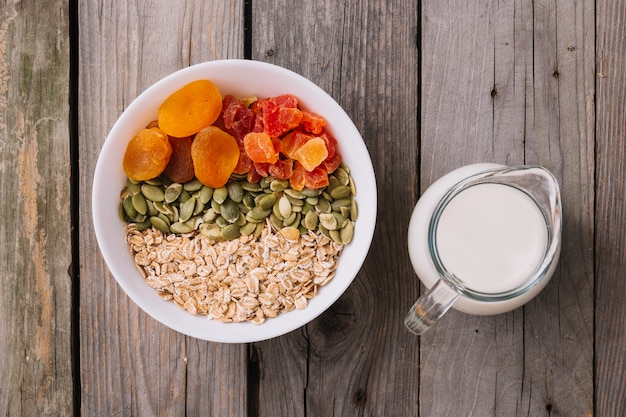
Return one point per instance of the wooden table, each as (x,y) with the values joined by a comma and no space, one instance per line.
(431,85)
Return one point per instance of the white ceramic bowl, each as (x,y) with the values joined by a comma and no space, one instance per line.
(239,78)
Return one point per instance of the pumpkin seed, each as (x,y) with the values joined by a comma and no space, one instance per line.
(266,182)
(153,192)
(290,192)
(172,192)
(184,196)
(259,229)
(352,185)
(248,186)
(198,207)
(335,236)
(141,226)
(340,191)
(164,208)
(247,229)
(220,194)
(353,210)
(279,185)
(276,211)
(342,176)
(193,185)
(154,181)
(186,209)
(310,220)
(290,233)
(288,221)
(276,222)
(267,202)
(308,192)
(165,219)
(209,216)
(258,213)
(344,202)
(235,191)
(323,206)
(230,211)
(248,200)
(328,221)
(241,221)
(205,194)
(180,227)
(121,212)
(341,219)
(130,210)
(230,232)
(284,206)
(221,221)
(251,219)
(159,224)
(194,222)
(211,231)
(333,183)
(294,201)
(139,218)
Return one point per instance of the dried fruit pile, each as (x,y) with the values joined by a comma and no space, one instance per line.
(198,132)
(231,143)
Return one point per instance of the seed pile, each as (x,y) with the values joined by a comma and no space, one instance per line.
(240,208)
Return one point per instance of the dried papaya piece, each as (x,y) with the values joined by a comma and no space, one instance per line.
(215,155)
(191,108)
(147,154)
(180,167)
(260,148)
(312,153)
(312,122)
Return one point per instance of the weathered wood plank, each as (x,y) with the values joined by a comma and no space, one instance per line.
(512,82)
(35,236)
(131,364)
(355,359)
(610,249)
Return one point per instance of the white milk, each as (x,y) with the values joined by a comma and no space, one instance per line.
(492,243)
(492,237)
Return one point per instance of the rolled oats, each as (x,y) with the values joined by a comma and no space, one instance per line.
(245,279)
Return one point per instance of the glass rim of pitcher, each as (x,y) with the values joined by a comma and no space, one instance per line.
(553,233)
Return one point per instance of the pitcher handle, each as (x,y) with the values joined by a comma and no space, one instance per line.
(430,307)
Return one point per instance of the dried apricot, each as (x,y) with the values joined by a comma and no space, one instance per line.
(260,148)
(191,108)
(215,155)
(180,167)
(147,154)
(312,153)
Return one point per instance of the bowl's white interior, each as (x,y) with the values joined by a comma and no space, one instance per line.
(239,78)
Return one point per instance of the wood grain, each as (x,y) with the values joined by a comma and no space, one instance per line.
(131,364)
(512,82)
(610,225)
(344,363)
(35,237)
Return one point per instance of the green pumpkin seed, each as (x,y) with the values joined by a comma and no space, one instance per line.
(248,200)
(247,229)
(337,204)
(267,202)
(211,231)
(311,200)
(164,208)
(266,182)
(145,225)
(294,201)
(308,192)
(259,229)
(186,209)
(133,187)
(221,221)
(324,231)
(342,176)
(209,216)
(290,192)
(220,194)
(230,211)
(353,210)
(198,207)
(153,192)
(152,211)
(230,232)
(335,236)
(352,185)
(194,222)
(235,191)
(121,212)
(180,227)
(276,211)
(341,220)
(276,222)
(251,219)
(323,206)
(328,221)
(172,192)
(154,181)
(288,221)
(340,191)
(139,218)
(258,213)
(310,220)
(284,207)
(159,224)
(139,203)
(279,185)
(205,194)
(184,196)
(193,185)
(333,183)
(241,221)
(165,218)
(129,209)
(248,186)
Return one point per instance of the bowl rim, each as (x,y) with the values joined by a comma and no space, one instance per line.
(245,332)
